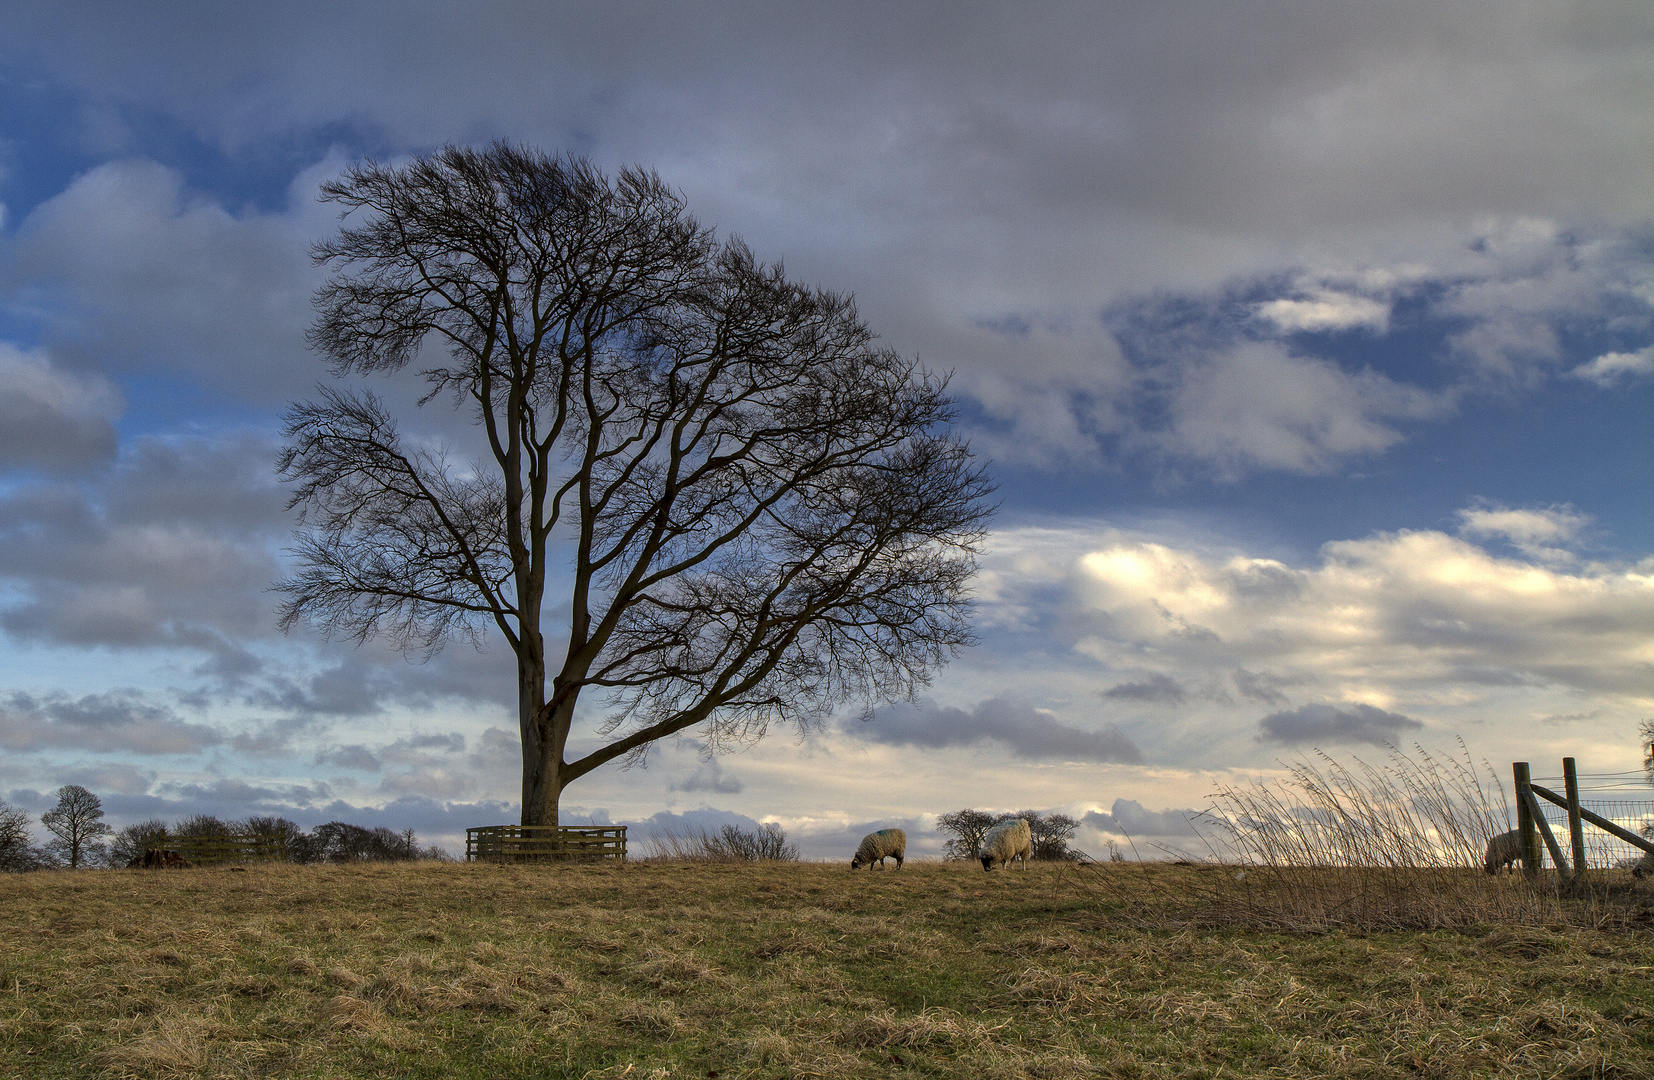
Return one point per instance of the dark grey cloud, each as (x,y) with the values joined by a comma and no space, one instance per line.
(1261,687)
(355,757)
(173,547)
(147,277)
(51,419)
(1023,730)
(114,722)
(1064,166)
(362,682)
(1335,724)
(1302,102)
(1128,817)
(1156,689)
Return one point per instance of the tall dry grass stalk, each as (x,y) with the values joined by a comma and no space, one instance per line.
(1398,844)
(1410,812)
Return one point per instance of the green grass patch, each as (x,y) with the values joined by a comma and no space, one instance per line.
(790,970)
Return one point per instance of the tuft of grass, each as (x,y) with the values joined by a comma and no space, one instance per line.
(692,969)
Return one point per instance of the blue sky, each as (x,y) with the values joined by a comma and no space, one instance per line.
(1311,346)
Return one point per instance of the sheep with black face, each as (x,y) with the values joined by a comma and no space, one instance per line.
(1502,850)
(1008,840)
(878,846)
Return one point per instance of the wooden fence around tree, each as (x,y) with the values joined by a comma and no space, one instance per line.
(549,843)
(1534,828)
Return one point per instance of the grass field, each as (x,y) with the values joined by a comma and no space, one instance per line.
(708,970)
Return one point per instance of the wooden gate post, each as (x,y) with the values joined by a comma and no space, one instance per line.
(1576,826)
(1524,820)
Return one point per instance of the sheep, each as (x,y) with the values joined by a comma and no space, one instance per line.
(1503,850)
(1006,841)
(1644,867)
(877,846)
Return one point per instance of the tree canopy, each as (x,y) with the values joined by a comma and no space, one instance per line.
(745,509)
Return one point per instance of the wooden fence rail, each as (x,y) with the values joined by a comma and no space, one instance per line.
(552,843)
(210,850)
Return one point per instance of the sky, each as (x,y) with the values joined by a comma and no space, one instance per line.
(1311,347)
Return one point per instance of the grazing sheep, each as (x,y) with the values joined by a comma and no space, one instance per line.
(877,846)
(1006,841)
(1644,867)
(1502,851)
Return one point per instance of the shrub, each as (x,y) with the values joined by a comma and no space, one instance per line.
(768,843)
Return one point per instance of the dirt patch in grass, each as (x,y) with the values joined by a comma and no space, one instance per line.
(795,970)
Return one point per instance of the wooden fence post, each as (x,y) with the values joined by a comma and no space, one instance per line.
(1524,819)
(1576,825)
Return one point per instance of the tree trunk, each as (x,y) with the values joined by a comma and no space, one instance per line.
(542,742)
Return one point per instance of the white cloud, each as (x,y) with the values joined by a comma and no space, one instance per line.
(1327,311)
(1613,368)
(1397,617)
(1544,533)
(1433,627)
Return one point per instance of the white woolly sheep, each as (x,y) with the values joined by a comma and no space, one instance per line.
(878,846)
(1502,851)
(1006,841)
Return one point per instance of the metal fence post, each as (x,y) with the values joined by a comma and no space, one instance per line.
(1576,826)
(1524,820)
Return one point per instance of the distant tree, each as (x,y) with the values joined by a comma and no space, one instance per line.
(1051,834)
(340,842)
(17,852)
(751,512)
(202,827)
(277,830)
(77,824)
(131,842)
(968,828)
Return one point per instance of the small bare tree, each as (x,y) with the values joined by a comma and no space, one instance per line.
(748,511)
(16,852)
(77,823)
(131,842)
(968,828)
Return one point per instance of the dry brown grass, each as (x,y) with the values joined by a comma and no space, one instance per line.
(800,970)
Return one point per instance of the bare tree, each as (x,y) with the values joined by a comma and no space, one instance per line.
(16,852)
(131,842)
(1051,834)
(968,828)
(77,823)
(748,511)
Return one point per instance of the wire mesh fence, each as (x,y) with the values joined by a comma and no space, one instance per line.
(1615,796)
